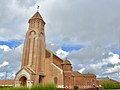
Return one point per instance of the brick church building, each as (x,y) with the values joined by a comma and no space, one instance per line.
(40,65)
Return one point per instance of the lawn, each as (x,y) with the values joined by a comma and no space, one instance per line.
(34,87)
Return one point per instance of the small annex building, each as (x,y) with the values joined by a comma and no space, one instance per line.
(40,65)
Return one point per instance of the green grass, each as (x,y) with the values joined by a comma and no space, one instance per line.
(14,88)
(44,87)
(110,84)
(34,87)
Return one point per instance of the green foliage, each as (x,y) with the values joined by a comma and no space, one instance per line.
(109,85)
(44,87)
(20,88)
(34,87)
(5,87)
(75,87)
(37,87)
(14,88)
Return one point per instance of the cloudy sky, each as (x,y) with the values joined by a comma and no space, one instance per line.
(87,32)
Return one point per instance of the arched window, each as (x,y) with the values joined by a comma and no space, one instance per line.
(55,80)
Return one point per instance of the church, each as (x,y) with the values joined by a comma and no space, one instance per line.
(41,66)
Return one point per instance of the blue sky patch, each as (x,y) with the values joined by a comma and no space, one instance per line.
(69,48)
(116,51)
(11,43)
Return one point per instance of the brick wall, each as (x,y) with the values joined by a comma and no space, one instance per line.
(54,74)
(85,81)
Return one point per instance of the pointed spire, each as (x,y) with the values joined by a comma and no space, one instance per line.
(37,15)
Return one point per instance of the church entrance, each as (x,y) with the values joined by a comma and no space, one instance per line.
(23,81)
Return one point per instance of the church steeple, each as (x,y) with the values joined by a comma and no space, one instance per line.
(34,47)
(36,22)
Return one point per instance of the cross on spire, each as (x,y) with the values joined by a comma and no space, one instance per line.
(38,8)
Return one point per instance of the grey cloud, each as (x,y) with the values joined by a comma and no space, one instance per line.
(89,54)
(85,23)
(108,65)
(26,3)
(13,18)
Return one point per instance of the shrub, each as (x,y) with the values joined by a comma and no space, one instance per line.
(75,87)
(44,87)
(37,87)
(50,87)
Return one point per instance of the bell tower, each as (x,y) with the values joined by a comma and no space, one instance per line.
(34,47)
